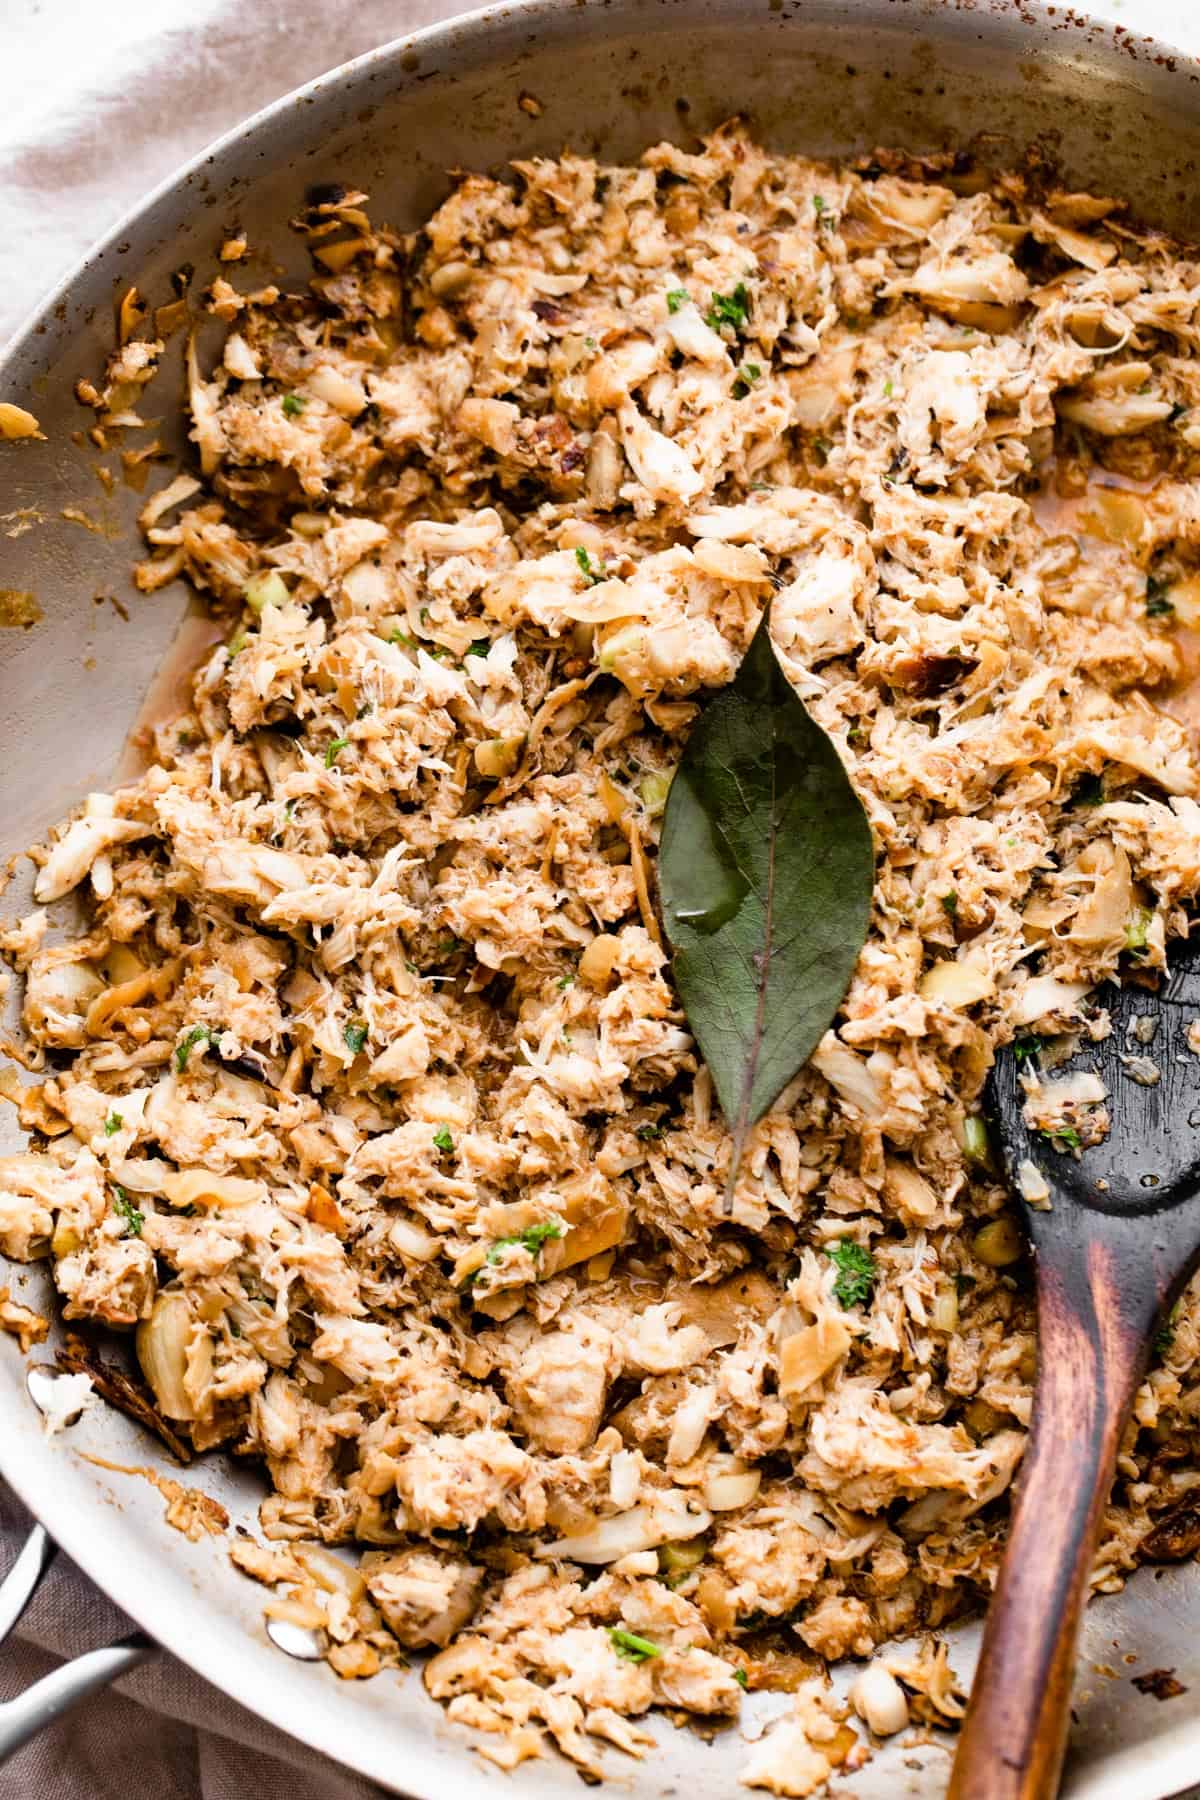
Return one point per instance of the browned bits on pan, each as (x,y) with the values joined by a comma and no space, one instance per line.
(1176,1536)
(1159,1682)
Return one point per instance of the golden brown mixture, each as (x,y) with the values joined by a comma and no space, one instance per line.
(372,1107)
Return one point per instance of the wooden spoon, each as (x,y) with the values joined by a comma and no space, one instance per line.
(1120,1240)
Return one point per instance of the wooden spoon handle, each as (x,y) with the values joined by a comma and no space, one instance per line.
(1092,1348)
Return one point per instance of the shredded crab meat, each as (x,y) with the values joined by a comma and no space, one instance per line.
(362,1095)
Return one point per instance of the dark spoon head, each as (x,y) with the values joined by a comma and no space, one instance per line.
(1150,1159)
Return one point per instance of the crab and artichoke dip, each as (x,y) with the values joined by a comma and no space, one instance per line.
(366,1101)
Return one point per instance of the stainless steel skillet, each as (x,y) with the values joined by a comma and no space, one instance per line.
(825,75)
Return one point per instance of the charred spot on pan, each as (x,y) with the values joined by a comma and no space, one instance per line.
(1176,1536)
(1161,1683)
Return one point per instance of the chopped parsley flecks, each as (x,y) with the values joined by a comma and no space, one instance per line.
(730,309)
(1158,597)
(531,1239)
(134,1218)
(196,1034)
(630,1647)
(593,573)
(1061,1137)
(856,1272)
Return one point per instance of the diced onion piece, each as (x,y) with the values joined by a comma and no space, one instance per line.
(338,390)
(330,1572)
(267,588)
(599,959)
(879,1700)
(1035,1190)
(730,1486)
(807,1355)
(1044,996)
(295,1611)
(689,1424)
(1116,516)
(653,791)
(162,1347)
(959,983)
(1185,598)
(665,1520)
(624,1479)
(944,1313)
(910,1193)
(196,1187)
(621,647)
(498,757)
(412,1240)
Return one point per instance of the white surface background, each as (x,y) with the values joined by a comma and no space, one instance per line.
(102,99)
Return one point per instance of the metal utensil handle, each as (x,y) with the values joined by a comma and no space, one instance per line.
(56,1693)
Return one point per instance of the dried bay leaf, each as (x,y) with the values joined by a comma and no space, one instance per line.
(766,870)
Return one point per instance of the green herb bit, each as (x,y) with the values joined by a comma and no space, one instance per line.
(730,309)
(134,1219)
(113,1124)
(1025,1049)
(593,573)
(649,1134)
(1165,1336)
(236,644)
(856,1272)
(480,647)
(448,945)
(566,981)
(741,1677)
(820,205)
(747,375)
(355,1035)
(1061,1137)
(888,389)
(950,904)
(677,297)
(442,1140)
(630,1647)
(1088,791)
(198,1034)
(531,1239)
(334,750)
(1140,921)
(1158,601)
(401,637)
(294,405)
